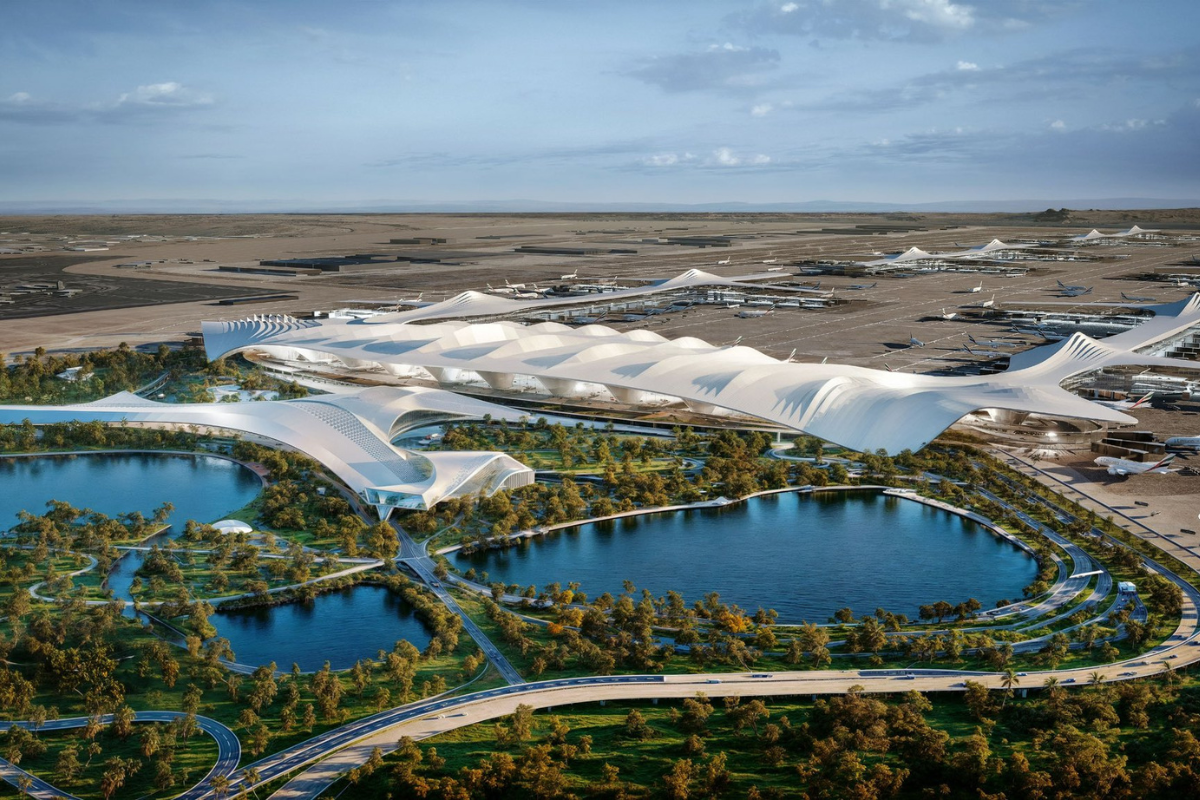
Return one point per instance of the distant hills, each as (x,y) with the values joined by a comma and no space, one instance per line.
(176,206)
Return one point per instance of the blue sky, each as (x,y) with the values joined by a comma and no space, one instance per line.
(677,101)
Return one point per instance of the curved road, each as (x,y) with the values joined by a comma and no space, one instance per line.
(229,751)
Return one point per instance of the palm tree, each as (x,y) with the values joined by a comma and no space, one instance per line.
(1095,679)
(1008,681)
(220,785)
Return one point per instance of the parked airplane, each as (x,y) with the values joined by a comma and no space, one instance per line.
(1044,332)
(977,289)
(914,341)
(1123,466)
(989,303)
(724,261)
(1137,298)
(770,260)
(1075,291)
(1062,285)
(570,277)
(773,269)
(991,342)
(861,285)
(1128,405)
(1184,442)
(948,315)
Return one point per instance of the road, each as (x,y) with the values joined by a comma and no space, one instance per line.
(413,556)
(229,751)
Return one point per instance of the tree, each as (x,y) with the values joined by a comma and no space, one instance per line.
(1008,681)
(677,784)
(636,727)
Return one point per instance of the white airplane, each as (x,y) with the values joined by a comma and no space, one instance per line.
(948,315)
(977,289)
(862,285)
(769,260)
(774,269)
(1128,405)
(1137,298)
(501,290)
(1184,442)
(914,341)
(1075,292)
(724,261)
(570,277)
(989,303)
(790,357)
(991,342)
(1123,466)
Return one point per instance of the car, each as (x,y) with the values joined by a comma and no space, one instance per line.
(713,680)
(1128,674)
(1068,680)
(1022,674)
(761,675)
(959,685)
(1173,655)
(435,584)
(908,677)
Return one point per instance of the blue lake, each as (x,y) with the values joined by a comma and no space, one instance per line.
(339,627)
(203,488)
(806,556)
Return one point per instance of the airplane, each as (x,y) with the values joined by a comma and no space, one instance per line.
(724,261)
(773,269)
(791,356)
(862,285)
(502,290)
(570,277)
(948,315)
(1128,405)
(991,342)
(769,260)
(1074,291)
(1062,285)
(1044,332)
(988,303)
(1184,442)
(914,341)
(977,289)
(1137,298)
(1123,466)
(889,369)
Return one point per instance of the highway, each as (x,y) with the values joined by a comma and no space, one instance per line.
(229,751)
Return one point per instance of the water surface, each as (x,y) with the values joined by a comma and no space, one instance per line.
(803,555)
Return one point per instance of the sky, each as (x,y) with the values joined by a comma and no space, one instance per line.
(303,103)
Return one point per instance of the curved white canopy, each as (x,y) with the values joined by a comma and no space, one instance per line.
(860,408)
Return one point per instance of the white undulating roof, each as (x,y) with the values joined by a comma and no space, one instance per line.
(860,408)
(349,434)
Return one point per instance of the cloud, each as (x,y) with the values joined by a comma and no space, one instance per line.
(917,20)
(1058,125)
(149,100)
(720,158)
(967,66)
(897,20)
(1059,76)
(761,110)
(720,67)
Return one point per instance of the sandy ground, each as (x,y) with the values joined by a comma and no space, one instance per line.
(871,329)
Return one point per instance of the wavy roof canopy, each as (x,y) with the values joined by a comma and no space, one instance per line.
(857,407)
(350,434)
